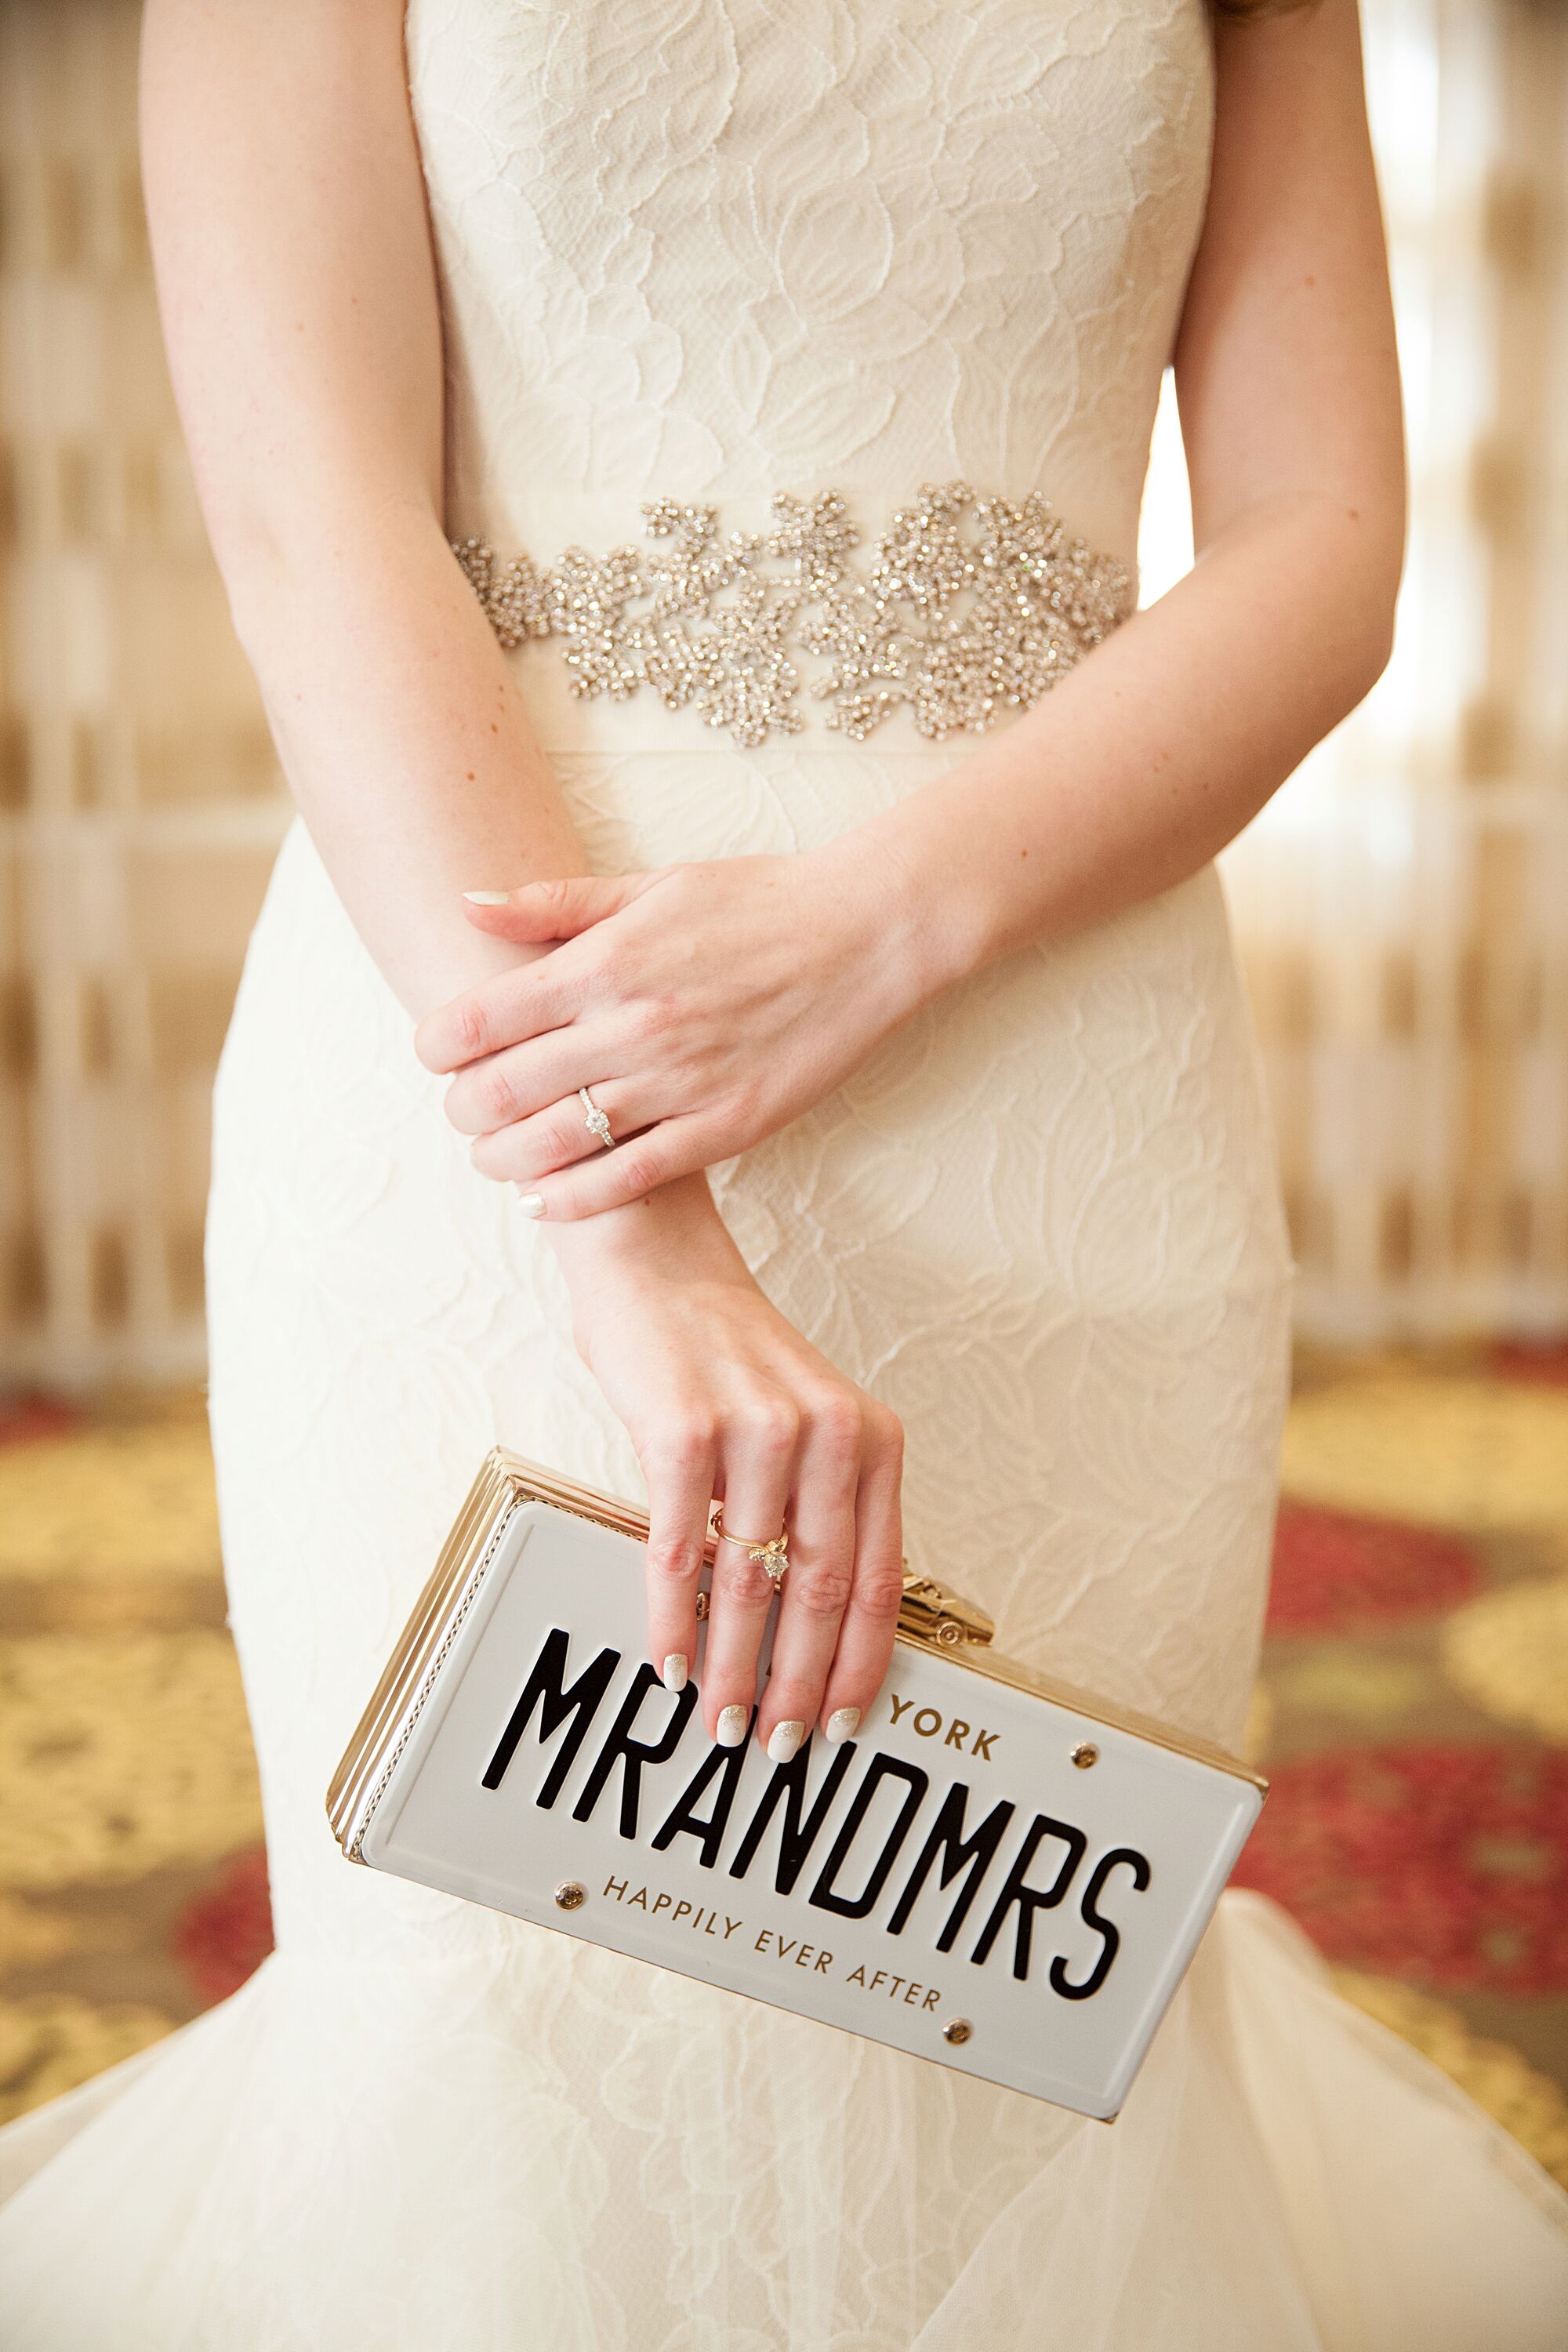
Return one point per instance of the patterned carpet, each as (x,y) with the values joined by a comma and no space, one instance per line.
(1413,1716)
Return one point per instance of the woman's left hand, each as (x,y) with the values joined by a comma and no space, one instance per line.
(703,1007)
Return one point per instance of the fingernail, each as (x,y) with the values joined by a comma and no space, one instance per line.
(486,898)
(731,1727)
(675,1671)
(840,1724)
(784,1740)
(532,1203)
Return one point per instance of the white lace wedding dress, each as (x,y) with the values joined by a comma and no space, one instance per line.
(710,250)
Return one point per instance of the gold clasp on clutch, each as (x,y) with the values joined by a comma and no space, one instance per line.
(935,1615)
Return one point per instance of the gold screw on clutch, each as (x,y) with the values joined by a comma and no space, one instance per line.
(570,1894)
(957,2029)
(1084,1754)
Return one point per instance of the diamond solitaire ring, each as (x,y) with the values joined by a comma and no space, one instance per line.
(598,1124)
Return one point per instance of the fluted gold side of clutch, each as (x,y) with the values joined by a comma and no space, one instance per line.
(504,1480)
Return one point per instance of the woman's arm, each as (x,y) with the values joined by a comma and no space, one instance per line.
(1155,753)
(297,291)
(287,209)
(737,994)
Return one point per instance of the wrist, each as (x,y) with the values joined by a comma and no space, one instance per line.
(620,1261)
(673,1233)
(929,935)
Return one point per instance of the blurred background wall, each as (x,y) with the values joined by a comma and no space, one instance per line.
(141,800)
(1400,907)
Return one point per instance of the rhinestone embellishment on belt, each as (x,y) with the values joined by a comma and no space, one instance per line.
(968,606)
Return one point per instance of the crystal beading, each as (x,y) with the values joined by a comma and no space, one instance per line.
(954,619)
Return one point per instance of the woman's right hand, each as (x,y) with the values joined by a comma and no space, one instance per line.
(722,1397)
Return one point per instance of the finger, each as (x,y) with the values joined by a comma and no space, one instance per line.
(671,1148)
(502,1011)
(757,1453)
(522,1080)
(678,1467)
(818,1583)
(557,1137)
(870,1619)
(553,909)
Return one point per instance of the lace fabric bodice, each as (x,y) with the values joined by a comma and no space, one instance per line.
(907,241)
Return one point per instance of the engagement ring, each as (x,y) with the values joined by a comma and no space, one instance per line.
(598,1124)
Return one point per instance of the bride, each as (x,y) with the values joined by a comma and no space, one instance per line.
(626,433)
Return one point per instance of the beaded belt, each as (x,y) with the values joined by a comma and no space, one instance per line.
(954,620)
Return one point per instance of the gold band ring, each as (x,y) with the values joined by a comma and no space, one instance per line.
(770,1553)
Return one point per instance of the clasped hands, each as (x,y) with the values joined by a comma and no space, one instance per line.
(702,1006)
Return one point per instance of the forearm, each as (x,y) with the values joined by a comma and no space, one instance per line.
(409,752)
(1155,752)
(297,289)
(404,739)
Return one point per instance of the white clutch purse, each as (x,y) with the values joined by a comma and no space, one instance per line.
(998,1872)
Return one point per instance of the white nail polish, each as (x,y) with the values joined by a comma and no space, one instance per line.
(841,1724)
(731,1727)
(486,898)
(675,1671)
(532,1203)
(784,1740)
